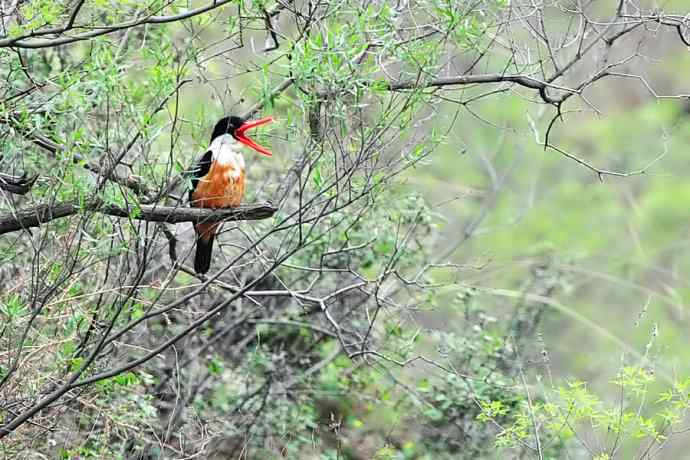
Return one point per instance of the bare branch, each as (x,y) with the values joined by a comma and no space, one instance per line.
(462,80)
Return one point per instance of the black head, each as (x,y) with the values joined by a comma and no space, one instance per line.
(237,127)
(227,125)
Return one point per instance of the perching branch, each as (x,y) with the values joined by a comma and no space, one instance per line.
(42,214)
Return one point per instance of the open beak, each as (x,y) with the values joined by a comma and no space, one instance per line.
(240,136)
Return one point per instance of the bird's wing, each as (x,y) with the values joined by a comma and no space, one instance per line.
(200,170)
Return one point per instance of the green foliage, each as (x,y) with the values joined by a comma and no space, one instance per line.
(12,308)
(567,412)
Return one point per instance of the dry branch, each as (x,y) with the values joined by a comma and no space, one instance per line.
(19,185)
(36,216)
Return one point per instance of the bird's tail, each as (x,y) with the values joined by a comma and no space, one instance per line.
(205,234)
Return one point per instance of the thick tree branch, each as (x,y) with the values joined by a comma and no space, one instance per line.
(35,217)
(29,41)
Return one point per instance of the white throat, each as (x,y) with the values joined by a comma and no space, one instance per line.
(226,151)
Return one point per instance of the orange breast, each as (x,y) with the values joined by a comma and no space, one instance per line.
(221,187)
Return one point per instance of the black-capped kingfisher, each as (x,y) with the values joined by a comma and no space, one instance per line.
(218,179)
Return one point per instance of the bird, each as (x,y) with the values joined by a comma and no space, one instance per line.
(218,179)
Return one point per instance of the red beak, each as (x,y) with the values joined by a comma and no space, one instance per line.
(240,136)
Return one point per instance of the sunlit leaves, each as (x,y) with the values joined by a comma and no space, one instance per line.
(574,408)
(634,379)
